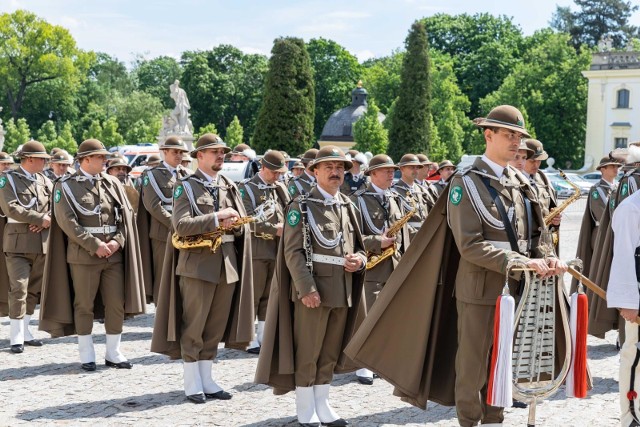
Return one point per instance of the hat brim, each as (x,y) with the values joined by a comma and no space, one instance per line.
(419,164)
(174,147)
(348,164)
(92,153)
(265,164)
(129,168)
(445,166)
(194,153)
(543,156)
(372,168)
(602,165)
(36,155)
(484,123)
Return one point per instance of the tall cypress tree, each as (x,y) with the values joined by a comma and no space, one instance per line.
(410,127)
(285,120)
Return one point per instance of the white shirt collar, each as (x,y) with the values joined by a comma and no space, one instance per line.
(27,174)
(88,175)
(312,178)
(379,190)
(171,168)
(326,195)
(208,177)
(496,168)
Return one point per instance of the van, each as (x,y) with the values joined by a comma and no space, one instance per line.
(136,156)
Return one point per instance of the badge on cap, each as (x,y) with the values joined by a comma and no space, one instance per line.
(293,218)
(455,195)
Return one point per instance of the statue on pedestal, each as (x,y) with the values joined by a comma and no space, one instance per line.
(178,122)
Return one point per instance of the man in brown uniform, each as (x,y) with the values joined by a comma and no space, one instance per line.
(207,281)
(409,192)
(265,236)
(91,211)
(354,178)
(5,161)
(25,196)
(303,183)
(445,169)
(421,179)
(379,210)
(58,165)
(154,214)
(119,169)
(539,181)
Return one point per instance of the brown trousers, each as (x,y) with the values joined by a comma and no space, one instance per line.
(317,342)
(205,312)
(108,278)
(158,248)
(475,340)
(25,282)
(371,291)
(262,274)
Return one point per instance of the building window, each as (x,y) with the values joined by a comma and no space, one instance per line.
(620,142)
(623,98)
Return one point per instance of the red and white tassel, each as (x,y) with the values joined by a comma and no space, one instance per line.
(576,383)
(500,387)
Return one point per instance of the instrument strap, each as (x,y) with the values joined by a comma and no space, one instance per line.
(527,206)
(503,214)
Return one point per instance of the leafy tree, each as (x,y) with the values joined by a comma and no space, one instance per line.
(411,125)
(485,48)
(156,75)
(94,131)
(47,134)
(142,132)
(65,139)
(138,107)
(369,134)
(110,135)
(381,78)
(549,88)
(33,51)
(17,133)
(594,19)
(285,120)
(335,74)
(107,80)
(234,133)
(210,128)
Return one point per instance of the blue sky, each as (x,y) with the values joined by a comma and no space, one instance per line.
(367,29)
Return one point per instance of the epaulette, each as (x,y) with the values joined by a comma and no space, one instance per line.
(464,171)
(244,181)
(64,178)
(359,192)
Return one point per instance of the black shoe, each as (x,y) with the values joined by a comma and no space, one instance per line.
(518,404)
(91,366)
(310,424)
(254,350)
(197,398)
(17,348)
(33,343)
(120,365)
(220,395)
(365,380)
(340,422)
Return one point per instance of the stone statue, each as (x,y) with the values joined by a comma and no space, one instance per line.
(180,114)
(605,44)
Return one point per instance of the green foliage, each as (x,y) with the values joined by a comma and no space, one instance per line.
(369,134)
(156,75)
(65,139)
(234,133)
(47,134)
(595,19)
(110,135)
(142,132)
(94,131)
(549,88)
(142,111)
(285,120)
(381,78)
(210,128)
(411,126)
(17,133)
(335,74)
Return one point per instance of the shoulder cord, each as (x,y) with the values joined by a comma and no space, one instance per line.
(156,188)
(322,241)
(367,216)
(81,209)
(479,206)
(15,192)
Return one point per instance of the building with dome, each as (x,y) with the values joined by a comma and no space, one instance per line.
(338,130)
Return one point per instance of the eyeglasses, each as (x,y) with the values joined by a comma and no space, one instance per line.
(509,134)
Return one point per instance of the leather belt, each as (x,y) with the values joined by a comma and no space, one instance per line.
(105,229)
(415,224)
(328,259)
(14,221)
(228,238)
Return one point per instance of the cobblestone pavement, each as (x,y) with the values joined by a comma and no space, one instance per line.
(46,386)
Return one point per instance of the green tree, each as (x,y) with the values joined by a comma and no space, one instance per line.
(33,51)
(369,134)
(595,19)
(335,74)
(17,133)
(411,125)
(210,128)
(94,131)
(233,135)
(65,139)
(285,120)
(47,134)
(381,78)
(138,107)
(156,75)
(142,132)
(549,88)
(110,135)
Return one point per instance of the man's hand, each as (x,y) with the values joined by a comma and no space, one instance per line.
(352,263)
(113,246)
(311,300)
(227,216)
(279,228)
(35,228)
(386,241)
(540,266)
(557,266)
(103,250)
(556,220)
(629,314)
(46,221)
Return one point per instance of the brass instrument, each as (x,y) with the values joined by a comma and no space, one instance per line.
(558,210)
(373,259)
(213,239)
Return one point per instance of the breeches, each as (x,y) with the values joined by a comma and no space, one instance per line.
(25,282)
(262,274)
(158,248)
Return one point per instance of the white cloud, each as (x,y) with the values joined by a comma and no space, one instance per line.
(363,55)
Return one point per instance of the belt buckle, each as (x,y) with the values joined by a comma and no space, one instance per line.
(105,230)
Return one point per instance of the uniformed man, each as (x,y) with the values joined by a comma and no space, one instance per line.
(59,164)
(520,159)
(242,153)
(120,170)
(318,260)
(25,196)
(5,161)
(303,183)
(186,162)
(410,193)
(198,301)
(539,181)
(154,215)
(265,236)
(422,179)
(153,161)
(379,210)
(445,170)
(354,179)
(92,210)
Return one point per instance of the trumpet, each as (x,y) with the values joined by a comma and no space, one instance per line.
(558,210)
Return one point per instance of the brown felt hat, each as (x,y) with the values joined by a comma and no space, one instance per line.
(331,153)
(410,160)
(537,149)
(239,149)
(504,116)
(173,142)
(274,160)
(380,161)
(61,157)
(91,147)
(606,161)
(155,159)
(209,140)
(118,162)
(297,165)
(5,158)
(445,164)
(308,156)
(34,148)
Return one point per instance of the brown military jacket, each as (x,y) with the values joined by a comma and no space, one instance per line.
(546,193)
(254,193)
(301,184)
(377,216)
(25,201)
(436,188)
(80,202)
(401,188)
(352,184)
(427,197)
(479,232)
(331,281)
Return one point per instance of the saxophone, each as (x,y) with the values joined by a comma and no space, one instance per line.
(374,259)
(213,239)
(558,210)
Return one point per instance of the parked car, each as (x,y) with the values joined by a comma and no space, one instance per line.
(595,176)
(563,189)
(576,179)
(237,171)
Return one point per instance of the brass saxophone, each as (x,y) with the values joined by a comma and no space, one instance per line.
(213,239)
(558,210)
(374,259)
